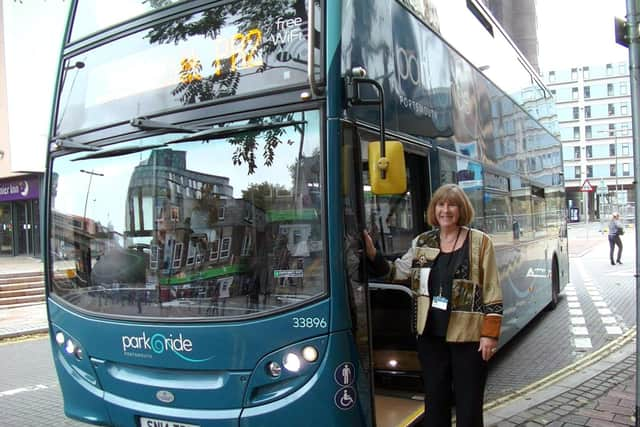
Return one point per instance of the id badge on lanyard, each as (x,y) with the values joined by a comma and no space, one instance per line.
(440,303)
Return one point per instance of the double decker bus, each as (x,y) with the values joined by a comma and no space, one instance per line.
(211,167)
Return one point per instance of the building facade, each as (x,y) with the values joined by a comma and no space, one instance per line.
(27,73)
(594,115)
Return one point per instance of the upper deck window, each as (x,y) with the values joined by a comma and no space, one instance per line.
(96,15)
(221,52)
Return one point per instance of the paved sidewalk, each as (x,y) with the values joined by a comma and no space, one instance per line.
(599,392)
(22,320)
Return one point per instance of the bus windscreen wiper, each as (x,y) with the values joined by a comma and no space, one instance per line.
(207,134)
(146,124)
(118,152)
(227,131)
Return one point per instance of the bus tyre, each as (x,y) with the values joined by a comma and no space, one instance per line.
(555,286)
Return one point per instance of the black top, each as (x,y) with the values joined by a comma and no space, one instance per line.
(440,281)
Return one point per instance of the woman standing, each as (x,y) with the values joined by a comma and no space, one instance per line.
(616,229)
(454,267)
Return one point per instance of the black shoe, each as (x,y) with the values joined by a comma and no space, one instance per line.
(619,262)
(613,263)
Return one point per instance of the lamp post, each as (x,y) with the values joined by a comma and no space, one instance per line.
(91,173)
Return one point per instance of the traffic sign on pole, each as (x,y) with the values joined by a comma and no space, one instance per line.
(586,186)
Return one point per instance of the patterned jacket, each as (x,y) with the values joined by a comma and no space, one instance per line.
(476,309)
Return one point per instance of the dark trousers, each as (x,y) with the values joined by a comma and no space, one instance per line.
(614,240)
(452,373)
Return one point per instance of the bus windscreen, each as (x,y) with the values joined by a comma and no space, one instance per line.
(214,228)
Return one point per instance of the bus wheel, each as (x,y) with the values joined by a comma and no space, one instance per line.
(555,286)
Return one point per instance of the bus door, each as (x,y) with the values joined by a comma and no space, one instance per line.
(393,221)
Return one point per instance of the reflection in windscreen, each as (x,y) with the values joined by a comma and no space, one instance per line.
(218,228)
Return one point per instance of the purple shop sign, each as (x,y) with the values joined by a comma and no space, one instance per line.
(19,189)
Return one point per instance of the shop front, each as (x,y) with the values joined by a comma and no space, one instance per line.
(20,216)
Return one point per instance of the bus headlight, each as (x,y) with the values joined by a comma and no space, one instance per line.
(292,362)
(274,369)
(60,338)
(284,371)
(310,354)
(70,347)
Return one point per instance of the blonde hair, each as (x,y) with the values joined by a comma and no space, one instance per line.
(453,194)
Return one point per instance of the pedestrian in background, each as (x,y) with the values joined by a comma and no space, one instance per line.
(616,229)
(453,270)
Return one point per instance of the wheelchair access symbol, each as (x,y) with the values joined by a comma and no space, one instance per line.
(345,398)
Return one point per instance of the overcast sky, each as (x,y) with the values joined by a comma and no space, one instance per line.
(578,32)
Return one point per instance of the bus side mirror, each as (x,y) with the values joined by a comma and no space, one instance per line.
(392,167)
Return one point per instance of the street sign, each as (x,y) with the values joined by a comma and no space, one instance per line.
(586,186)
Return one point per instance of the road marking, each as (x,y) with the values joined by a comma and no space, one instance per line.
(613,330)
(583,342)
(23,390)
(581,334)
(580,330)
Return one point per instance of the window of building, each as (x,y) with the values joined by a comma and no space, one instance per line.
(585,72)
(245,250)
(577,172)
(215,246)
(225,247)
(153,258)
(612,169)
(609,70)
(624,109)
(177,255)
(576,153)
(552,76)
(624,129)
(625,149)
(553,92)
(587,92)
(624,88)
(576,132)
(612,129)
(574,93)
(587,132)
(609,89)
(612,150)
(589,151)
(625,169)
(576,113)
(622,68)
(587,112)
(612,109)
(589,171)
(574,74)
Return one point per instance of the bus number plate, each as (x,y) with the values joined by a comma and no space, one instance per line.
(152,422)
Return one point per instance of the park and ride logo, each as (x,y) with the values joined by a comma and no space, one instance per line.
(146,346)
